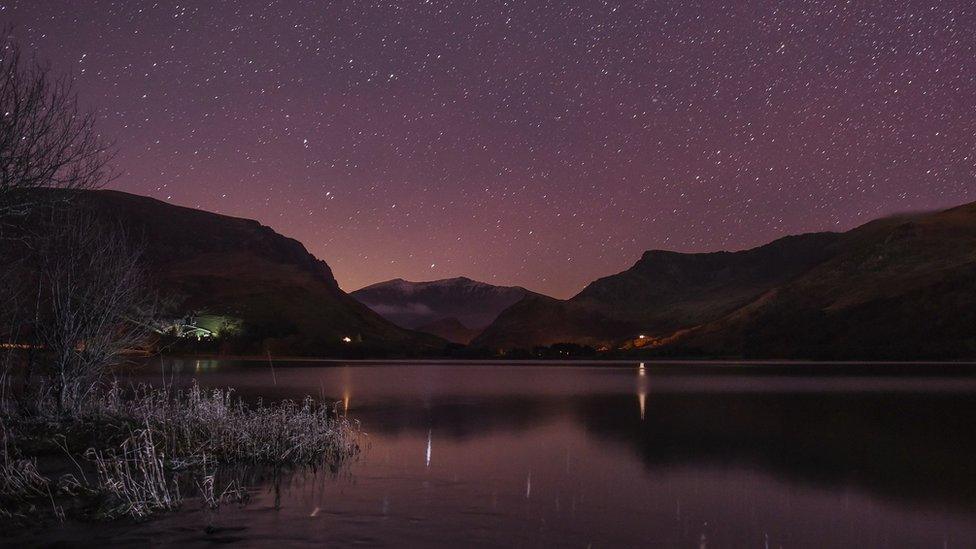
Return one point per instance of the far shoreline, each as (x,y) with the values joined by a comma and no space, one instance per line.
(921,368)
(743,361)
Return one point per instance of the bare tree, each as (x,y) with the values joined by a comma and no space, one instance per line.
(12,311)
(96,304)
(46,139)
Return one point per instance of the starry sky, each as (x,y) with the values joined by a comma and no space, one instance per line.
(536,143)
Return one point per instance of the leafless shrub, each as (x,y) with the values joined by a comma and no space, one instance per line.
(95,305)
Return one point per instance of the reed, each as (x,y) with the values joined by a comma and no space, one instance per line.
(20,479)
(193,425)
(148,446)
(136,477)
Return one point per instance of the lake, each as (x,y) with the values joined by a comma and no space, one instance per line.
(605,455)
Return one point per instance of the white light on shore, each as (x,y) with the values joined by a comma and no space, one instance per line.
(347,339)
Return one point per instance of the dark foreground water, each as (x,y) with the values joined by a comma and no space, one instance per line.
(605,456)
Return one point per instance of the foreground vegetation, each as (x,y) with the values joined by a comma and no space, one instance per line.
(136,452)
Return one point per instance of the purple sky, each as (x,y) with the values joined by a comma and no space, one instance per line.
(534,143)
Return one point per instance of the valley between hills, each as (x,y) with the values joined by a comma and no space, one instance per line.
(899,287)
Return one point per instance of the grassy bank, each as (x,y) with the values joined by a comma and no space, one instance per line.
(143,450)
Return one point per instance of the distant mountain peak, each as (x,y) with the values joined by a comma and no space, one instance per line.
(473,303)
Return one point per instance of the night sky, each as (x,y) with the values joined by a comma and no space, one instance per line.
(534,143)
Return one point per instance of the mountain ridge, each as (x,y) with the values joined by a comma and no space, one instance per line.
(742,303)
(409,304)
(288,300)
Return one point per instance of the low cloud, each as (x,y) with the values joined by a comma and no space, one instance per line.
(417,309)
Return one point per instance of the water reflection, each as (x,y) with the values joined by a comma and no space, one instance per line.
(913,447)
(642,391)
(547,455)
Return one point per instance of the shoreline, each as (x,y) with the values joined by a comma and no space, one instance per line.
(565,361)
(669,367)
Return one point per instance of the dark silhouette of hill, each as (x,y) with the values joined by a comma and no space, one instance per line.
(288,300)
(663,292)
(899,287)
(414,304)
(450,329)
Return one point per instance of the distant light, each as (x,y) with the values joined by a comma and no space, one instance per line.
(642,336)
(347,339)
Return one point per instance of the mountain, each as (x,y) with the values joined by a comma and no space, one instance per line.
(450,329)
(414,304)
(663,292)
(899,287)
(286,300)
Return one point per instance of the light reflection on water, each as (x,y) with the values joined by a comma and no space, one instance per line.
(542,455)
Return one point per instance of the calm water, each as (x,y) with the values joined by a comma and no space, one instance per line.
(576,456)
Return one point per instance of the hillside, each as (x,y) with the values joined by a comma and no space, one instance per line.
(415,304)
(288,300)
(899,287)
(663,292)
(451,330)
